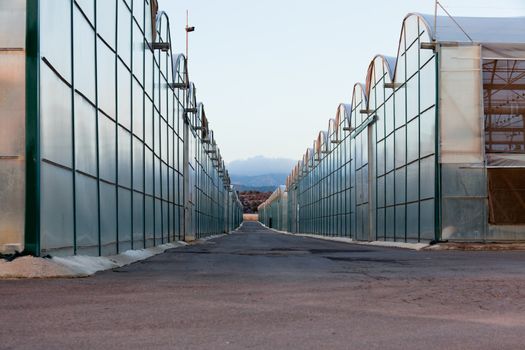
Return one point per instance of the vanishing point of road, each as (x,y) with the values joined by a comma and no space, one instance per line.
(257,289)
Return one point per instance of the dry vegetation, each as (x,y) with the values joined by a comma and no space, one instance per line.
(252,199)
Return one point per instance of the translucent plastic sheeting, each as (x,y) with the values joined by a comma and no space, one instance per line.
(460,104)
(12,103)
(505,160)
(12,173)
(56,209)
(480,29)
(12,125)
(12,24)
(502,51)
(464,194)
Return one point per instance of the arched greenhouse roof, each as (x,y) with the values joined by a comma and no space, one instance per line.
(344,114)
(480,29)
(322,143)
(180,67)
(428,28)
(192,95)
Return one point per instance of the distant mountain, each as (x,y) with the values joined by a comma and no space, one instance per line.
(259,180)
(259,173)
(260,165)
(263,183)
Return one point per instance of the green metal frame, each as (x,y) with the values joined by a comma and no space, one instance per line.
(437,167)
(32,188)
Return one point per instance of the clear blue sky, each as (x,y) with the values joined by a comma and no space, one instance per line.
(271,73)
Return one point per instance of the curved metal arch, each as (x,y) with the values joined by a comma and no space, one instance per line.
(296,171)
(290,180)
(333,130)
(201,122)
(309,158)
(181,63)
(359,94)
(431,36)
(429,26)
(191,96)
(385,62)
(159,22)
(216,157)
(322,143)
(210,140)
(301,167)
(175,58)
(344,115)
(216,160)
(316,150)
(304,162)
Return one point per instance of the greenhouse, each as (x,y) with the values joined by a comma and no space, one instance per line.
(103,145)
(431,147)
(274,211)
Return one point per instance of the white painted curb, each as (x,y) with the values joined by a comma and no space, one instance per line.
(403,245)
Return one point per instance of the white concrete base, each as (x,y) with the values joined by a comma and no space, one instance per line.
(404,245)
(77,265)
(207,238)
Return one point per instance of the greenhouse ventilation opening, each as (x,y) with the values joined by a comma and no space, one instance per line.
(430,147)
(103,145)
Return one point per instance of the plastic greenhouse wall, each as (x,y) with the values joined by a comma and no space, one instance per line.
(12,124)
(108,113)
(431,147)
(354,181)
(274,211)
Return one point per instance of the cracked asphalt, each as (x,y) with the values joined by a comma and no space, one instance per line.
(256,289)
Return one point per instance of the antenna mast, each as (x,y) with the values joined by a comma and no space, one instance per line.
(188,30)
(187,36)
(435,18)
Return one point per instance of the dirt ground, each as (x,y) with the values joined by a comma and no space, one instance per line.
(256,289)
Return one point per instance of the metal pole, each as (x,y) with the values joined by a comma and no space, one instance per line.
(187,26)
(435,18)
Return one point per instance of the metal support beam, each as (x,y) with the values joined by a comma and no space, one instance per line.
(428,46)
(392,85)
(32,151)
(182,86)
(164,47)
(508,86)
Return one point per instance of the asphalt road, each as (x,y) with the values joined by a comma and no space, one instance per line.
(256,289)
